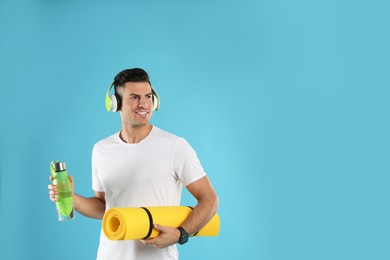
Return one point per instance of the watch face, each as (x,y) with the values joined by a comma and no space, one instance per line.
(183,239)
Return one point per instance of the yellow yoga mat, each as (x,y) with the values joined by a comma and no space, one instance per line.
(137,223)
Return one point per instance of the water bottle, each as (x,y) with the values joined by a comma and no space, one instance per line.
(65,208)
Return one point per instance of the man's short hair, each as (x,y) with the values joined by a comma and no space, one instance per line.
(130,75)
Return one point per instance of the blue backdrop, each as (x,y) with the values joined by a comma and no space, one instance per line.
(285,102)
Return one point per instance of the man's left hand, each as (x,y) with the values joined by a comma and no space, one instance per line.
(168,236)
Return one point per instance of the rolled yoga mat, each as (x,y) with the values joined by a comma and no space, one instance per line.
(137,223)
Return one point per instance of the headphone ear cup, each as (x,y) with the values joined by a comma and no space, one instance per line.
(118,102)
(113,103)
(108,102)
(156,101)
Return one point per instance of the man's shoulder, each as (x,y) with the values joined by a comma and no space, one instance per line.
(165,135)
(108,140)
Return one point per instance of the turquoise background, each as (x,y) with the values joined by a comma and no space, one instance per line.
(285,102)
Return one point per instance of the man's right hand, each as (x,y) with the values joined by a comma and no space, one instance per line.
(53,192)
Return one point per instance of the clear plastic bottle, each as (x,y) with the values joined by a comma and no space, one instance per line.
(65,208)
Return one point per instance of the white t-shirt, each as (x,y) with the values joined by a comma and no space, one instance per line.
(149,173)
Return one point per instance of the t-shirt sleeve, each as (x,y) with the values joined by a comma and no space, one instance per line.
(186,163)
(96,184)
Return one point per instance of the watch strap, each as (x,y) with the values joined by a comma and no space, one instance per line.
(183,236)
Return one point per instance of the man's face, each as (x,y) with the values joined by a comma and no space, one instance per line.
(137,104)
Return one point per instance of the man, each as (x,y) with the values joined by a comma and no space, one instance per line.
(142,166)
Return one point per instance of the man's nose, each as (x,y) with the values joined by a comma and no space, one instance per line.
(143,102)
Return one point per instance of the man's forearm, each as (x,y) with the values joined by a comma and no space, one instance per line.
(201,215)
(89,207)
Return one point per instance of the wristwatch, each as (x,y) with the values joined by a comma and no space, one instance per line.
(183,236)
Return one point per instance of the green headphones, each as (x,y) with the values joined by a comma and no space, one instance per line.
(113,102)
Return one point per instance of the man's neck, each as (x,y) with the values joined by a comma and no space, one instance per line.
(135,134)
